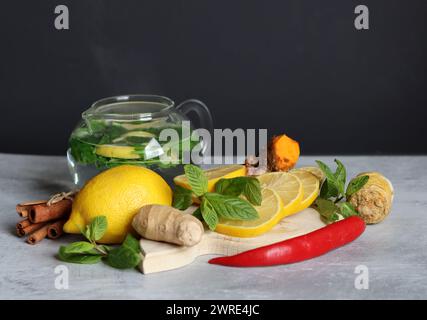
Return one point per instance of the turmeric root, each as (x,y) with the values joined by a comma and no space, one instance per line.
(283,153)
(373,201)
(164,223)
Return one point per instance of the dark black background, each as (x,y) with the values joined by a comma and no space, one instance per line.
(294,66)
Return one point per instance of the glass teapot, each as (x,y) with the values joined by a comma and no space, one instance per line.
(125,130)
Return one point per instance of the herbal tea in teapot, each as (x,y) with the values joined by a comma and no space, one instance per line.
(126,130)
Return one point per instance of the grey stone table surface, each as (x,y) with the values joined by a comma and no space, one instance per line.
(394,251)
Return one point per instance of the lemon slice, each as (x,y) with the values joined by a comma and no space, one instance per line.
(214,174)
(313,170)
(270,213)
(287,186)
(310,186)
(112,151)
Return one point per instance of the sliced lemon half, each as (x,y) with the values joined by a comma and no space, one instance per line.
(270,213)
(215,174)
(289,188)
(112,151)
(313,170)
(310,185)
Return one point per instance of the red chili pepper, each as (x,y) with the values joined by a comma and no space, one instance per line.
(300,248)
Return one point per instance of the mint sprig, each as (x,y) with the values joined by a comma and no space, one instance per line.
(90,252)
(333,191)
(248,186)
(233,198)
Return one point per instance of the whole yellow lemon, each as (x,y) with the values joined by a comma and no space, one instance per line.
(117,193)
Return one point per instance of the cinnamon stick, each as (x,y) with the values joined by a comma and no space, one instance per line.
(20,232)
(22,224)
(24,208)
(29,229)
(43,212)
(55,230)
(38,235)
(24,213)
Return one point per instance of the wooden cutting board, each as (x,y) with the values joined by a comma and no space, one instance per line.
(160,256)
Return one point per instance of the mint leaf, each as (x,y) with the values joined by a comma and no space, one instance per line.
(123,257)
(197,179)
(182,198)
(327,209)
(340,176)
(252,191)
(328,190)
(78,247)
(249,186)
(131,243)
(84,231)
(355,185)
(97,228)
(347,210)
(87,232)
(198,214)
(78,258)
(230,207)
(326,170)
(209,214)
(231,187)
(82,152)
(95,252)
(127,255)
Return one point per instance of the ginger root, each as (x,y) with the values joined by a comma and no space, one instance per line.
(164,223)
(283,153)
(374,200)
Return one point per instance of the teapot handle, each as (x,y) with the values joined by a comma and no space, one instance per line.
(201,110)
